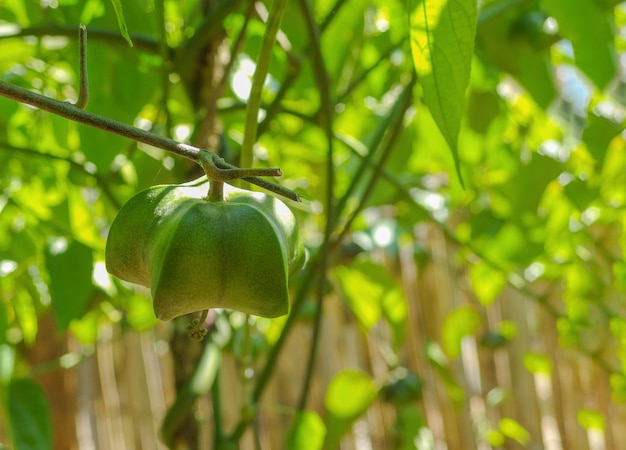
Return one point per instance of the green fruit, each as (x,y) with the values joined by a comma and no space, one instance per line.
(196,253)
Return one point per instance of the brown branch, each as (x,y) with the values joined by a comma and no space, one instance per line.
(76,114)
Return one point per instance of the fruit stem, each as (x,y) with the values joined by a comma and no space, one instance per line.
(218,170)
(216,191)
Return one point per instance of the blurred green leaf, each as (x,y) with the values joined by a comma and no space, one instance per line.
(307,432)
(526,196)
(404,387)
(536,363)
(459,323)
(442,40)
(70,266)
(487,282)
(590,31)
(503,48)
(589,419)
(348,396)
(598,135)
(29,415)
(618,387)
(482,109)
(23,305)
(371,293)
(7,364)
(4,324)
(513,430)
(119,12)
(409,425)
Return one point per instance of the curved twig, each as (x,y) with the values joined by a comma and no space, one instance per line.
(83,79)
(76,114)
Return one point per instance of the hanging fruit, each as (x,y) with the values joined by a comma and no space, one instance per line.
(235,249)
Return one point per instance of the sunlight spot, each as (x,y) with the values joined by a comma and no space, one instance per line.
(7,266)
(574,225)
(550,26)
(143,123)
(382,23)
(101,276)
(241,83)
(433,202)
(8,28)
(70,360)
(169,162)
(508,89)
(609,110)
(90,167)
(565,178)
(260,152)
(182,132)
(58,246)
(383,234)
(534,271)
(36,64)
(40,285)
(54,42)
(590,215)
(574,87)
(397,57)
(553,149)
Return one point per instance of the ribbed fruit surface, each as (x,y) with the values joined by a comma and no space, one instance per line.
(197,254)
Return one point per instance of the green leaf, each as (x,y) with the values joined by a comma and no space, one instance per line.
(458,324)
(348,396)
(502,42)
(536,363)
(371,292)
(591,419)
(590,30)
(487,282)
(307,432)
(526,196)
(70,266)
(410,425)
(7,363)
(119,12)
(29,416)
(618,387)
(598,135)
(513,430)
(25,310)
(442,42)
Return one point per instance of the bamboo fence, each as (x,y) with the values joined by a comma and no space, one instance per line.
(117,399)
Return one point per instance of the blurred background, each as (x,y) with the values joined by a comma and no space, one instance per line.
(429,315)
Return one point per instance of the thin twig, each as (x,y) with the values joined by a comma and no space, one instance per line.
(71,112)
(395,121)
(142,41)
(327,110)
(83,78)
(258,80)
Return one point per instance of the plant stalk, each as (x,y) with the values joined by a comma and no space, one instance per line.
(72,112)
(258,80)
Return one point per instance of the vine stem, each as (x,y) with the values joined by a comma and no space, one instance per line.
(326,117)
(262,67)
(83,79)
(198,155)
